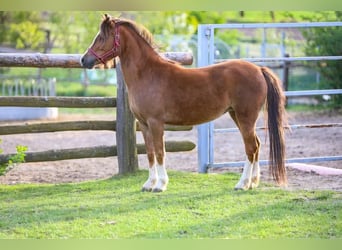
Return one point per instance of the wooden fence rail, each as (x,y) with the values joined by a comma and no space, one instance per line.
(43,127)
(38,60)
(61,102)
(126,148)
(93,152)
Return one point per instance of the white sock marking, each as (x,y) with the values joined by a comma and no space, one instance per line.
(163,178)
(152,179)
(245,180)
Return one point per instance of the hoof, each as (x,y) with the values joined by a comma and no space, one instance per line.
(255,183)
(243,185)
(157,190)
(244,188)
(146,189)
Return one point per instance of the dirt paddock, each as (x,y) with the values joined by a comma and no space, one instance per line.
(228,147)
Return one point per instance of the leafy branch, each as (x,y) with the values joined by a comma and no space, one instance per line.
(15,159)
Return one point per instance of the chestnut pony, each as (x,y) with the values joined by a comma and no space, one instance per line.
(163,92)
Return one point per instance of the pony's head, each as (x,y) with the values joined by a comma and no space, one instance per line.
(105,46)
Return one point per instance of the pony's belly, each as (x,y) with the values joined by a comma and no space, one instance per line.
(192,118)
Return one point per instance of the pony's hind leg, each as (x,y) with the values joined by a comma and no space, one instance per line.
(251,172)
(256,166)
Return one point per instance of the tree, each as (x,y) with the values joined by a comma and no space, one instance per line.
(21,29)
(326,41)
(74,31)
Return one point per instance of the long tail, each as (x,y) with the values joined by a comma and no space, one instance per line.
(275,106)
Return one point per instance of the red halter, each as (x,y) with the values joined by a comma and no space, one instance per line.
(113,52)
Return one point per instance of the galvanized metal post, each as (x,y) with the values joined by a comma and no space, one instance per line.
(211,123)
(204,36)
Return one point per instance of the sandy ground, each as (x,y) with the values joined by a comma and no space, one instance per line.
(228,147)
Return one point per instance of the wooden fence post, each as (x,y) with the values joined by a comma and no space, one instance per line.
(125,128)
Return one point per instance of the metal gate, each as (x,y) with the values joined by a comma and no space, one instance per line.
(206,56)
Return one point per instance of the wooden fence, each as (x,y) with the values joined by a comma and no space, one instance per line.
(125,125)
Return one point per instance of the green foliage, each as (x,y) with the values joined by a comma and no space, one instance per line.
(69,89)
(73,31)
(326,41)
(17,158)
(70,31)
(300,108)
(76,89)
(4,16)
(22,29)
(194,206)
(97,90)
(230,37)
(198,17)
(27,35)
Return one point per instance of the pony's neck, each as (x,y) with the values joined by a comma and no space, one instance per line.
(135,54)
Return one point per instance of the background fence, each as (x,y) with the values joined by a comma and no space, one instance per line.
(125,124)
(206,56)
(27,86)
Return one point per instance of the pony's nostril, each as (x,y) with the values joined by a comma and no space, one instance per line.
(82,61)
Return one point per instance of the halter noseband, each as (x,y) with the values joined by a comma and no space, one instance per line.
(113,52)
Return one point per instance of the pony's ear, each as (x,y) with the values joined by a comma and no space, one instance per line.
(106,17)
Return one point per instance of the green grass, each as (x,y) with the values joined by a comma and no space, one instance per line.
(194,206)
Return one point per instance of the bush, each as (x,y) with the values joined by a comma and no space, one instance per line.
(69,89)
(17,158)
(326,41)
(77,89)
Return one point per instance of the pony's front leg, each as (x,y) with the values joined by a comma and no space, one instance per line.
(152,180)
(163,179)
(157,180)
(153,174)
(157,129)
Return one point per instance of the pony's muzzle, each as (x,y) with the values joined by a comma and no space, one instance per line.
(87,61)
